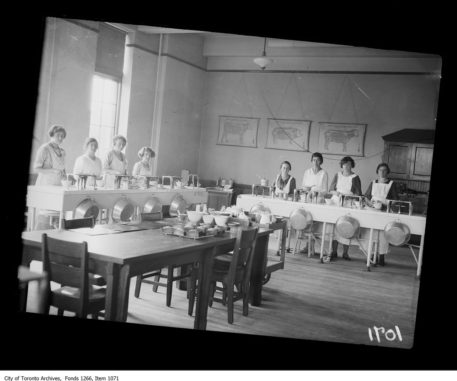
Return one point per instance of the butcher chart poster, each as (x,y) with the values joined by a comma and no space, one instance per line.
(238,131)
(344,139)
(286,134)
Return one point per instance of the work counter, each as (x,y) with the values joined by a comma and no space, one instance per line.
(65,200)
(374,220)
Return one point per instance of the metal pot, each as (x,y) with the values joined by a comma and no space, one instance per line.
(258,209)
(347,227)
(178,204)
(152,205)
(397,233)
(86,208)
(300,219)
(123,210)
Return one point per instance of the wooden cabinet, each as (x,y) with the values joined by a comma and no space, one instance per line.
(409,161)
(409,154)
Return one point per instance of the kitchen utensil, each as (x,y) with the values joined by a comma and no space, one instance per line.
(66,183)
(123,210)
(258,209)
(397,233)
(208,218)
(152,205)
(170,179)
(194,216)
(86,208)
(267,218)
(347,226)
(177,204)
(300,219)
(328,201)
(221,220)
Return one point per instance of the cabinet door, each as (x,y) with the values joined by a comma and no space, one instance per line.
(421,166)
(398,156)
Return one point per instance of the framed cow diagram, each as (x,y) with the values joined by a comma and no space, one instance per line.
(238,131)
(347,139)
(287,134)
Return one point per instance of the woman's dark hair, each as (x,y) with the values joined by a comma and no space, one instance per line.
(89,141)
(383,165)
(319,155)
(286,162)
(347,159)
(55,128)
(143,150)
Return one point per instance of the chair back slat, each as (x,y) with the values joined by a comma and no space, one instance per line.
(88,222)
(60,261)
(244,250)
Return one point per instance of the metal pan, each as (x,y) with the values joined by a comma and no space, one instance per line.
(300,219)
(178,204)
(347,227)
(397,233)
(152,205)
(123,210)
(86,208)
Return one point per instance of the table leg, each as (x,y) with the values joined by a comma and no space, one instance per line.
(289,231)
(324,228)
(204,278)
(123,293)
(421,252)
(331,239)
(61,216)
(33,216)
(112,291)
(258,270)
(370,244)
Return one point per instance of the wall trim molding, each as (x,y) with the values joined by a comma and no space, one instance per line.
(82,25)
(426,73)
(142,48)
(184,61)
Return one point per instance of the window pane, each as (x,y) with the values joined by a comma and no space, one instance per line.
(108,115)
(96,113)
(97,89)
(110,91)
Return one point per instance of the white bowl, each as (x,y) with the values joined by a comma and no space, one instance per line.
(328,201)
(221,220)
(208,218)
(377,205)
(194,216)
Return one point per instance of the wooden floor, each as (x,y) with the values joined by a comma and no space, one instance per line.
(338,301)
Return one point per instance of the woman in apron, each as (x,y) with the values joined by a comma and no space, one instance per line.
(115,162)
(89,164)
(315,179)
(50,166)
(379,191)
(284,183)
(345,182)
(144,166)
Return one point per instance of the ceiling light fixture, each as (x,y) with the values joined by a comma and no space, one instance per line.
(263,61)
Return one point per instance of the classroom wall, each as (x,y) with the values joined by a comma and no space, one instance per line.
(385,102)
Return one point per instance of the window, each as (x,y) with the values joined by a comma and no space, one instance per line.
(103,112)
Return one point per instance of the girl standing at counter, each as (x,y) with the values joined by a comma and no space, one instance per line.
(379,191)
(50,166)
(115,162)
(89,164)
(345,182)
(144,166)
(285,183)
(50,158)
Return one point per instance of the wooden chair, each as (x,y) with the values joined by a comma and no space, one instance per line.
(88,222)
(233,271)
(77,223)
(274,263)
(67,263)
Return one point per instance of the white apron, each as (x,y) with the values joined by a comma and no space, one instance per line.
(283,190)
(343,185)
(379,192)
(56,162)
(116,165)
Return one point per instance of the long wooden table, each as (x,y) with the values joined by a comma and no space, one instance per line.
(374,220)
(121,256)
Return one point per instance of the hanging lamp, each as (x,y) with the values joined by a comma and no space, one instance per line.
(263,61)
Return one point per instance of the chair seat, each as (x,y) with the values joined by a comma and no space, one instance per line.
(73,292)
(67,298)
